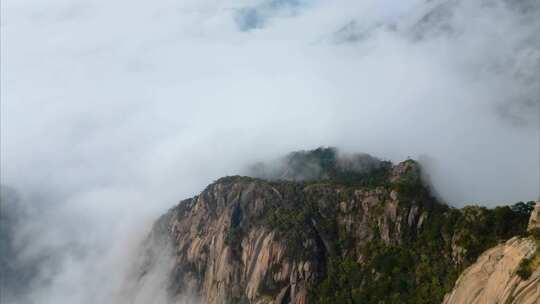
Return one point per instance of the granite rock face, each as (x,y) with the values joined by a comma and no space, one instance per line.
(493,278)
(229,246)
(346,235)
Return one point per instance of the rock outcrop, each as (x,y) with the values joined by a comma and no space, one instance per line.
(230,246)
(534,221)
(495,277)
(373,234)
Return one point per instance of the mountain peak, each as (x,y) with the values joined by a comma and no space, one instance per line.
(322,226)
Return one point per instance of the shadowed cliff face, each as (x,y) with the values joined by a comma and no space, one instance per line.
(245,239)
(248,240)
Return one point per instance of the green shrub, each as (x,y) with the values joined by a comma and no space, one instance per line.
(524,270)
(420,270)
(535,233)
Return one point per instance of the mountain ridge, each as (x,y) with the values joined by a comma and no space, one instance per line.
(251,240)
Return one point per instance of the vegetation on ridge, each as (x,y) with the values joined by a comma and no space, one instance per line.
(528,265)
(370,231)
(420,268)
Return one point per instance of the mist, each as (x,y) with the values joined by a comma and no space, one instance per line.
(113,111)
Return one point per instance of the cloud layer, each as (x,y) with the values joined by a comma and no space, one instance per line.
(114,110)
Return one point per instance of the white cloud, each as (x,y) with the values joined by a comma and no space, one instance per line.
(114,110)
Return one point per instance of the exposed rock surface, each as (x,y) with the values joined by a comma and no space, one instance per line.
(338,240)
(534,221)
(228,250)
(226,253)
(493,278)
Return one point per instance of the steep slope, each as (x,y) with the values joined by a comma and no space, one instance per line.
(507,273)
(343,237)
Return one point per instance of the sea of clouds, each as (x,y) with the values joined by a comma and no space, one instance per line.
(112,111)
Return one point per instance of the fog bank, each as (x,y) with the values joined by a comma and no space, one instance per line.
(112,111)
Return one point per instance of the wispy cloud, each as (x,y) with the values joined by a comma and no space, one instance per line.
(114,110)
(254,17)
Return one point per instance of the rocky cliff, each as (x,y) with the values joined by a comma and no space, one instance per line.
(534,221)
(372,235)
(494,277)
(507,273)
